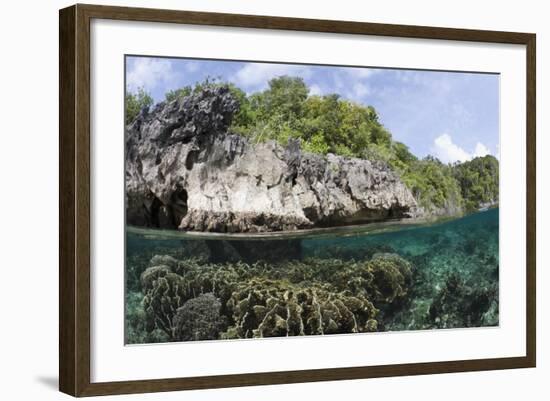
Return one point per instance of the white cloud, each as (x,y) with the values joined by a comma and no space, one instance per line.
(353,82)
(149,72)
(315,90)
(448,152)
(256,75)
(481,150)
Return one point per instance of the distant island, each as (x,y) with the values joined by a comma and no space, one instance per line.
(212,158)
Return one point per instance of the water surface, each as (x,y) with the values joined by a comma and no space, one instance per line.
(415,275)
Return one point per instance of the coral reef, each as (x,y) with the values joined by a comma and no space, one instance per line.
(440,276)
(312,296)
(392,275)
(164,294)
(198,319)
(459,304)
(456,275)
(137,330)
(269,308)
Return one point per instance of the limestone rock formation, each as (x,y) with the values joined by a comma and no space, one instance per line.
(186,170)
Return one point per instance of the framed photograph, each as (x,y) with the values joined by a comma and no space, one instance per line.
(250,200)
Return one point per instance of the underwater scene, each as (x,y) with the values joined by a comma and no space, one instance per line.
(371,278)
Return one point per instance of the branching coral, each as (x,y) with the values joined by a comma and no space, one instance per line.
(163,297)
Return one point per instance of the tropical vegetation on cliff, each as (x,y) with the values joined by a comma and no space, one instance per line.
(478,180)
(330,124)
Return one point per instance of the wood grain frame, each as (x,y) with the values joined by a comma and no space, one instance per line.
(74,199)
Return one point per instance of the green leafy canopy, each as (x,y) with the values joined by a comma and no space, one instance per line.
(135,102)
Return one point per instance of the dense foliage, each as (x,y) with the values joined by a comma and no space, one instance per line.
(478,179)
(433,184)
(330,124)
(135,102)
(323,124)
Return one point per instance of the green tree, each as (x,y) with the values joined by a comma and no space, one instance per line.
(274,113)
(347,128)
(285,97)
(433,184)
(246,117)
(135,102)
(178,93)
(478,180)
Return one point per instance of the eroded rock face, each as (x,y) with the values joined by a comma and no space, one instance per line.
(185,170)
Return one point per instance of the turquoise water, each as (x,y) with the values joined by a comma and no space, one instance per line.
(182,287)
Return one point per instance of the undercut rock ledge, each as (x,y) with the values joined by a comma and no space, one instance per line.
(186,170)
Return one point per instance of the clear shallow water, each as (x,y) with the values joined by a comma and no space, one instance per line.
(383,277)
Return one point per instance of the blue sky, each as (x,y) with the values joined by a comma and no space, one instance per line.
(453,116)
